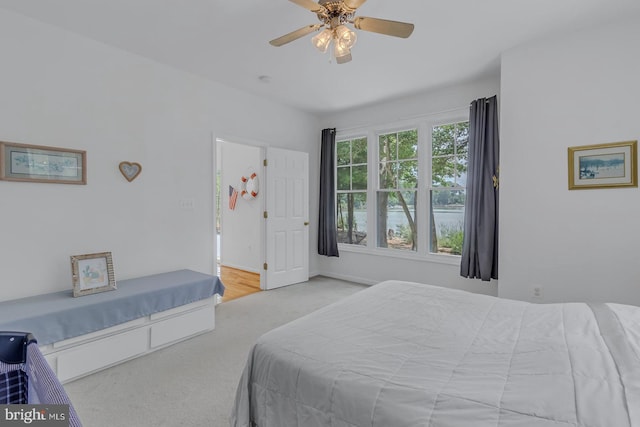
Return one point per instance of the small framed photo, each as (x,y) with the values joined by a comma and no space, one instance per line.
(36,163)
(92,273)
(603,165)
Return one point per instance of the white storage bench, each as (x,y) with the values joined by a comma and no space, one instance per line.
(79,336)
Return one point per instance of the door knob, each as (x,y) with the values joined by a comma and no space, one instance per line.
(306,223)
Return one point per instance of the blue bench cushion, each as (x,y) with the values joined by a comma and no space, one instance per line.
(58,316)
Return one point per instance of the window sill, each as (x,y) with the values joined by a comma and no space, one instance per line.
(408,255)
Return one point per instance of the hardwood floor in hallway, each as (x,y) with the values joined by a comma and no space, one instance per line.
(238,283)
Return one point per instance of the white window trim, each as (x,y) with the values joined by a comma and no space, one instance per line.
(351,137)
(424,124)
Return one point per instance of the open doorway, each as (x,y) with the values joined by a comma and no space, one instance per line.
(239,220)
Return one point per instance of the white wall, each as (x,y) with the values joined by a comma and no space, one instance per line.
(64,90)
(370,268)
(241,243)
(579,89)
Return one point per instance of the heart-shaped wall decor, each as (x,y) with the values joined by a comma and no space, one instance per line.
(130,170)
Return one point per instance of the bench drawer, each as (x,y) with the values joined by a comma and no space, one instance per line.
(180,327)
(101,353)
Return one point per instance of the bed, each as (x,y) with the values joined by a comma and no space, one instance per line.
(407,354)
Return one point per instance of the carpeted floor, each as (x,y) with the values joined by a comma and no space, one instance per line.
(193,383)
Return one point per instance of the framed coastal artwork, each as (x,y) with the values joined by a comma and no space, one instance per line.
(92,273)
(603,166)
(37,163)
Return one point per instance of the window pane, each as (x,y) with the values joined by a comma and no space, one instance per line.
(344,178)
(443,171)
(462,139)
(461,167)
(443,140)
(351,171)
(388,175)
(359,150)
(352,218)
(449,155)
(396,230)
(388,147)
(447,221)
(408,174)
(343,152)
(408,144)
(359,177)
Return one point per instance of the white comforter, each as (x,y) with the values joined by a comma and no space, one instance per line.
(407,354)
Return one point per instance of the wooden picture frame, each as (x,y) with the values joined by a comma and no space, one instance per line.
(130,170)
(603,165)
(92,273)
(38,163)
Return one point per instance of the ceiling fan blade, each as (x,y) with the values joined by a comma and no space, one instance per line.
(353,4)
(295,35)
(383,26)
(309,4)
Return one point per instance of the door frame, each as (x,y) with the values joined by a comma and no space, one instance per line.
(261,244)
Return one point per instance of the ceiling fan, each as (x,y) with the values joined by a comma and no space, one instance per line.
(333,15)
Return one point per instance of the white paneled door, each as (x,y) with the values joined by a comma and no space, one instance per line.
(287,222)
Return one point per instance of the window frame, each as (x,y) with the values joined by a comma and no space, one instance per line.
(432,187)
(424,125)
(377,188)
(351,190)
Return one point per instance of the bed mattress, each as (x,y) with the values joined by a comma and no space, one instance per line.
(408,354)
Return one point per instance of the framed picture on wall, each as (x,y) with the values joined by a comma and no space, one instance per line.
(603,166)
(37,163)
(92,273)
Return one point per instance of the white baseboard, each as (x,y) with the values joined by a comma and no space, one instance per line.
(349,278)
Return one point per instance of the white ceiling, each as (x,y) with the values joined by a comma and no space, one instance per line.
(227,41)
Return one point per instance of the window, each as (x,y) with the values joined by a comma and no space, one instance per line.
(397,190)
(351,161)
(449,153)
(401,192)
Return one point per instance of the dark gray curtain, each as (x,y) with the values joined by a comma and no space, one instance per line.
(480,246)
(327,230)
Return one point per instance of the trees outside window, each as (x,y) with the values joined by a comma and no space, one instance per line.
(418,187)
(397,190)
(449,154)
(351,161)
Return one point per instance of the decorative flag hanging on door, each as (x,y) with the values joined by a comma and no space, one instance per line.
(233,197)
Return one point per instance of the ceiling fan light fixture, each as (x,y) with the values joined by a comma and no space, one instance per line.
(333,15)
(340,51)
(345,37)
(344,59)
(322,40)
